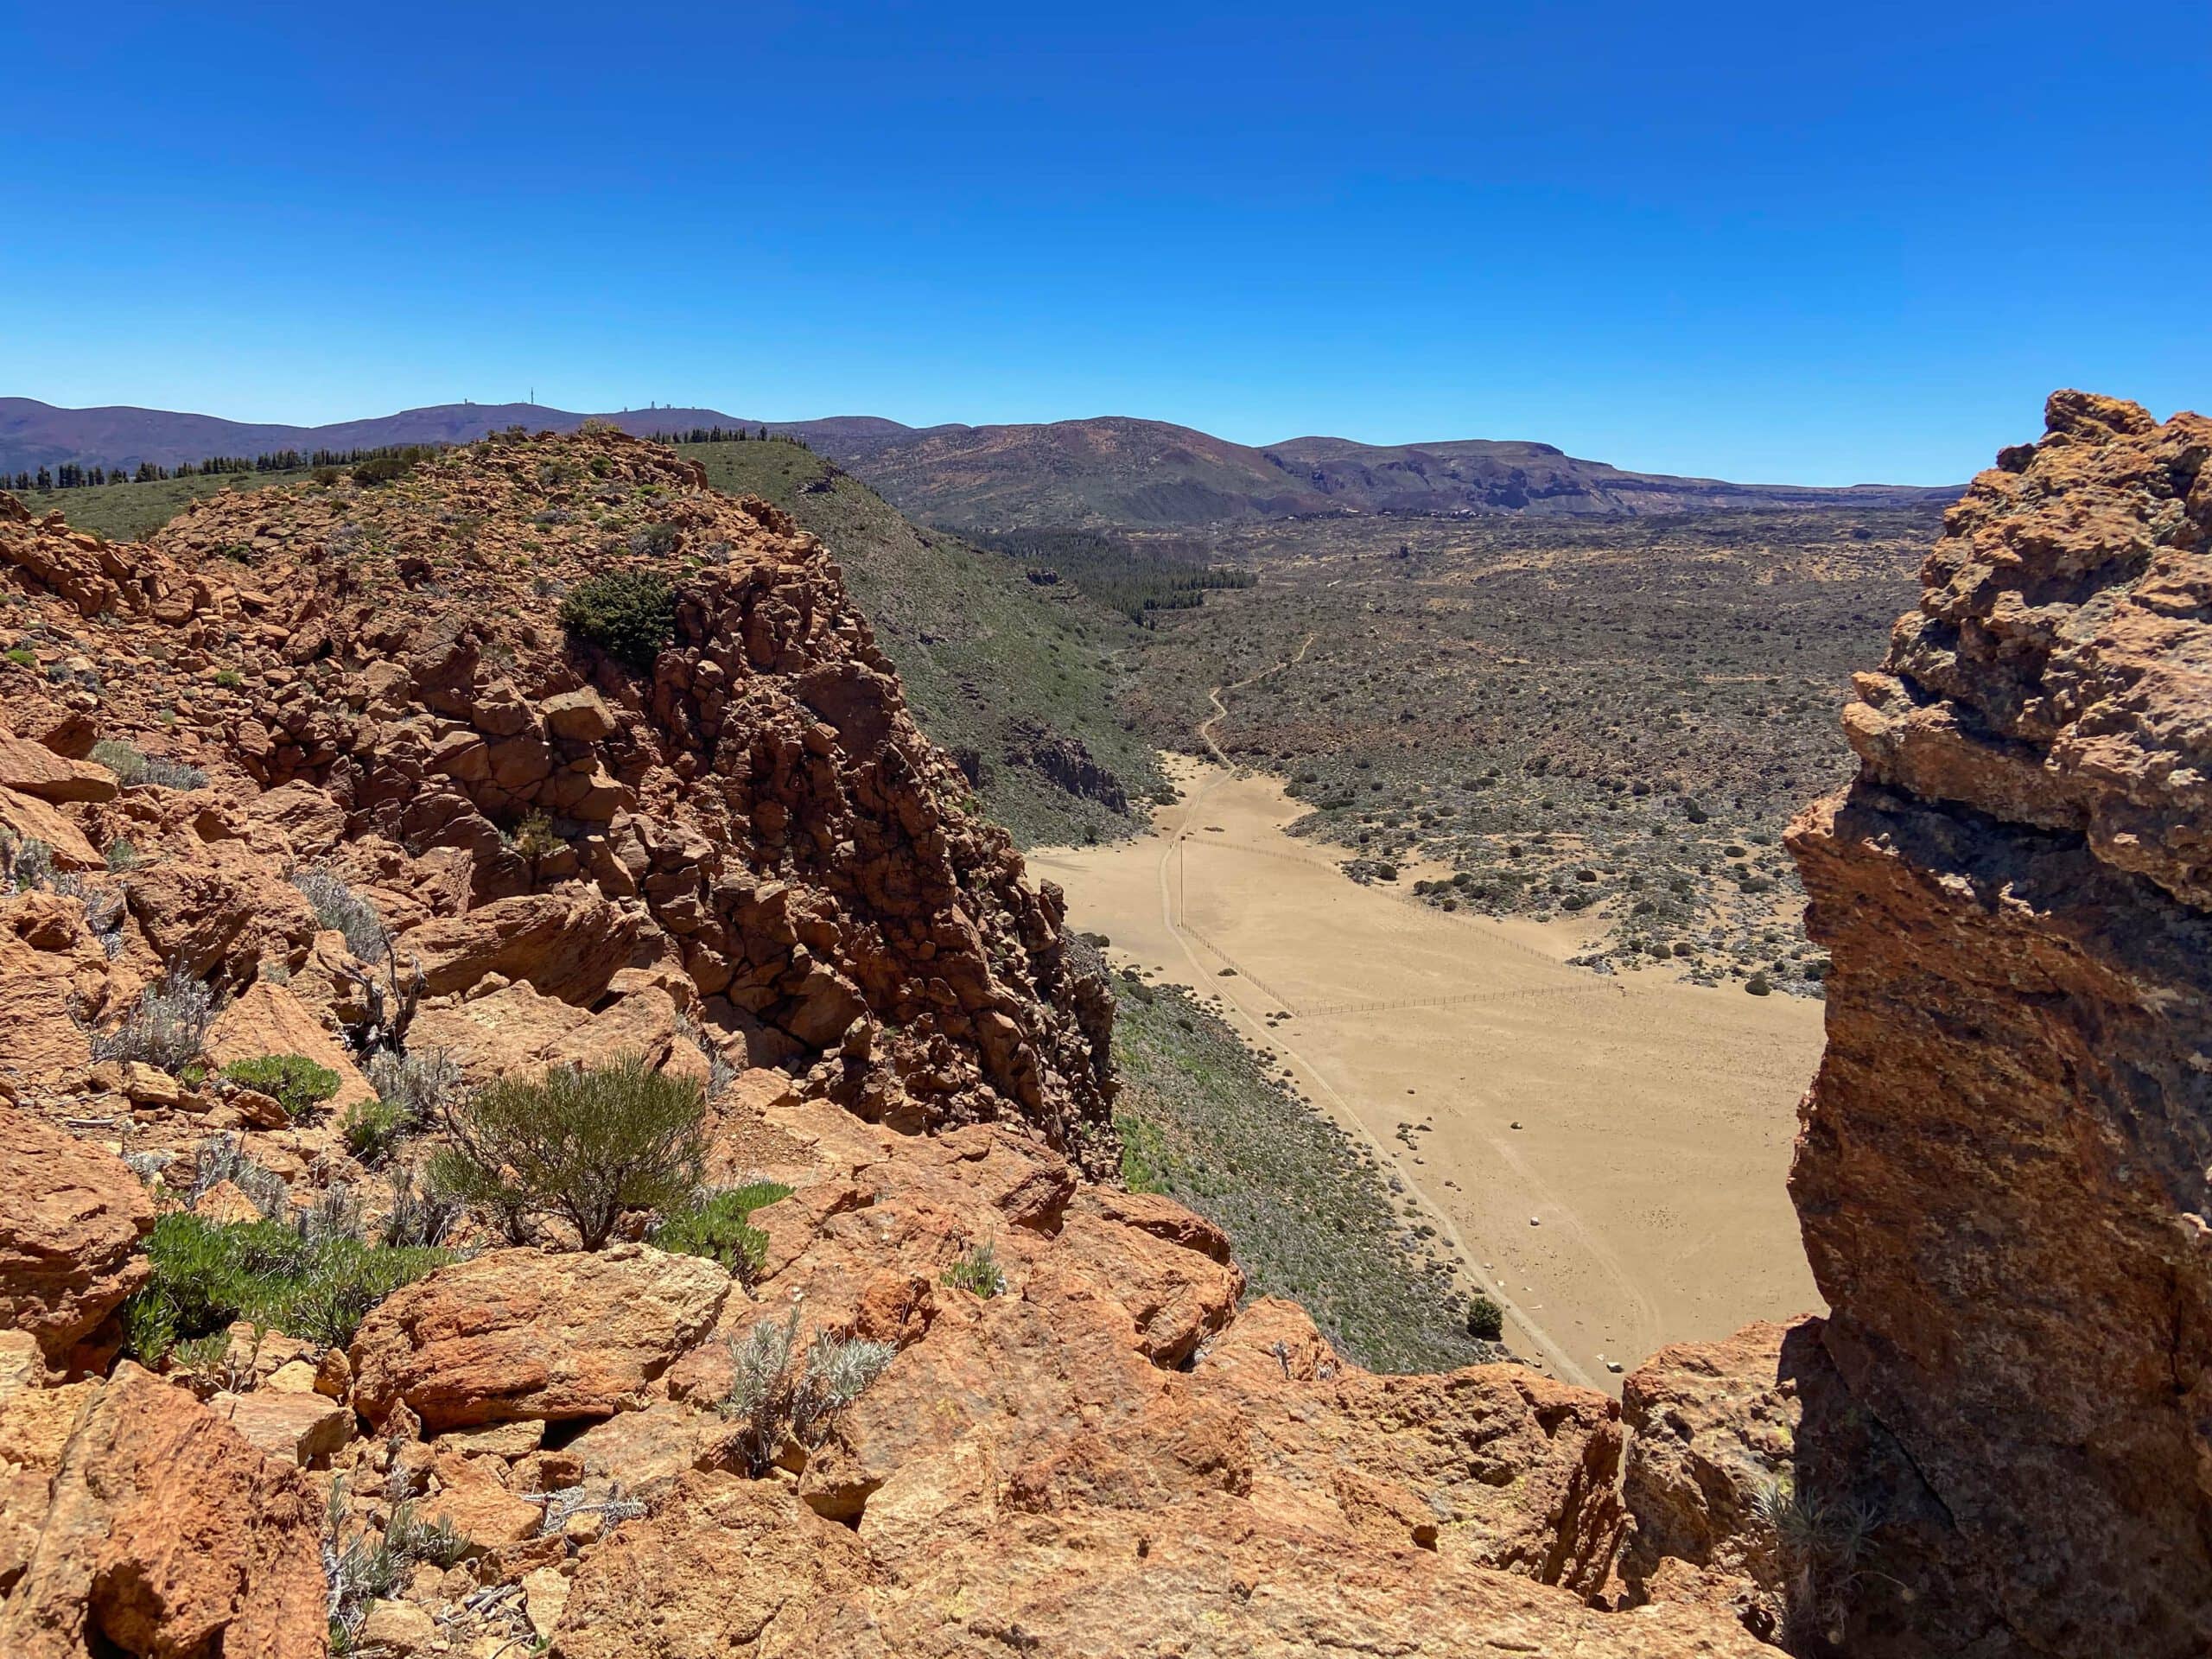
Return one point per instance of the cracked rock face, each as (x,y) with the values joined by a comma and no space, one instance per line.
(2003,1170)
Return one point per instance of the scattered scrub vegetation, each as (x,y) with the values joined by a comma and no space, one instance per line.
(582,1145)
(1309,1211)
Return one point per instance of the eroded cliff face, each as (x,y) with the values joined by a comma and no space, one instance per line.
(2004,1164)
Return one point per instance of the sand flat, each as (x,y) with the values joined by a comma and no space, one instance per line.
(1656,1117)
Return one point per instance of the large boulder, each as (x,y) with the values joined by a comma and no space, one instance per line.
(722,1563)
(568,945)
(520,1334)
(729,1566)
(71,1217)
(33,769)
(169,1537)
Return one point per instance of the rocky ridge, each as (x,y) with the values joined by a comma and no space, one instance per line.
(742,863)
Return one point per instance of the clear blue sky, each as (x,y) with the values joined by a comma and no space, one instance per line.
(1820,244)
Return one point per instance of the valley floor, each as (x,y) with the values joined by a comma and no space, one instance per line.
(1606,1156)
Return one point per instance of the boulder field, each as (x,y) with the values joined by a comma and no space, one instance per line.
(322,758)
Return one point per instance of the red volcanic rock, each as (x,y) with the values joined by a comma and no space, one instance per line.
(516,1334)
(168,1536)
(2002,1174)
(71,1217)
(1712,1445)
(33,769)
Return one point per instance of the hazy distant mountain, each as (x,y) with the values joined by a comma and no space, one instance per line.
(1111,470)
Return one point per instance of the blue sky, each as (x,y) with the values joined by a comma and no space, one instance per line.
(1814,244)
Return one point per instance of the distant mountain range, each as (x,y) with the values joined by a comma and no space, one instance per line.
(1109,471)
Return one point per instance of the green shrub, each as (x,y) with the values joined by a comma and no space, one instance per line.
(229,678)
(387,468)
(583,1145)
(978,1271)
(293,1081)
(629,614)
(24,656)
(1485,1318)
(207,1275)
(372,1128)
(718,1226)
(123,855)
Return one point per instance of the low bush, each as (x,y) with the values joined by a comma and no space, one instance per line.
(978,1271)
(583,1145)
(718,1226)
(774,1397)
(293,1081)
(166,1027)
(422,1212)
(629,614)
(656,541)
(132,765)
(360,1568)
(372,1128)
(337,906)
(1485,1318)
(420,1085)
(207,1275)
(222,1157)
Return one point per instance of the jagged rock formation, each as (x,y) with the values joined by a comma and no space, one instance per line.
(744,865)
(377,672)
(2003,1173)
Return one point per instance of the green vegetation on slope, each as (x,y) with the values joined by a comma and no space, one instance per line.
(1136,581)
(131,512)
(1309,1211)
(998,669)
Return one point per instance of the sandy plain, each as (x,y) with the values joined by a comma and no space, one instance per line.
(1606,1156)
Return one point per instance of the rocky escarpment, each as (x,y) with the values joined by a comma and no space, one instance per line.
(753,818)
(2003,1173)
(321,770)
